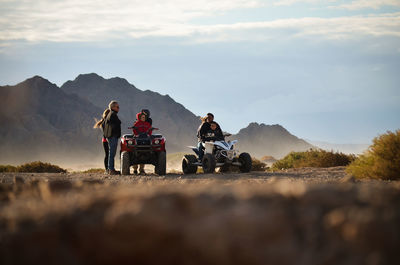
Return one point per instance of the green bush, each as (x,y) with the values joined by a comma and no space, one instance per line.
(381,160)
(40,167)
(7,168)
(313,158)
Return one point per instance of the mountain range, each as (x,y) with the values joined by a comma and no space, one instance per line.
(41,121)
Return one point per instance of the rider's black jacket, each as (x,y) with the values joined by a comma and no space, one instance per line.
(213,136)
(205,128)
(112,125)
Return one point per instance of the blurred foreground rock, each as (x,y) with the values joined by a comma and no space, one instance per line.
(199,222)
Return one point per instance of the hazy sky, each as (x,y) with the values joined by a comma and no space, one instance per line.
(326,70)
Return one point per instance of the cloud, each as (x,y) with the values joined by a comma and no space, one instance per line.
(292,2)
(76,21)
(336,4)
(329,28)
(368,4)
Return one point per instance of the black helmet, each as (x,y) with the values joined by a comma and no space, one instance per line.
(147,112)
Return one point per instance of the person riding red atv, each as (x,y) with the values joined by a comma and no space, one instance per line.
(142,147)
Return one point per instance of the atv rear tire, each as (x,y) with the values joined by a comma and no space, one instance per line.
(125,163)
(245,160)
(161,167)
(187,164)
(208,163)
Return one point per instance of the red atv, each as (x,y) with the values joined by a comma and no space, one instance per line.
(143,149)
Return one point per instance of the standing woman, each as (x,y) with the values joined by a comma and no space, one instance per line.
(112,131)
(99,124)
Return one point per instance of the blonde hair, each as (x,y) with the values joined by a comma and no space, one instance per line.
(203,119)
(103,118)
(112,104)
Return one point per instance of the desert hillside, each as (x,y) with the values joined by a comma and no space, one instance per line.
(41,122)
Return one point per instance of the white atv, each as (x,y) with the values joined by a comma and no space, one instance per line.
(217,154)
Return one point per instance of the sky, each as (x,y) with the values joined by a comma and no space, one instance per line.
(326,70)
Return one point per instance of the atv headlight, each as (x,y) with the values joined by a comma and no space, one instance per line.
(130,142)
(157,141)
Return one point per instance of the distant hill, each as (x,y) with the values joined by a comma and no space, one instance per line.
(40,121)
(178,124)
(272,140)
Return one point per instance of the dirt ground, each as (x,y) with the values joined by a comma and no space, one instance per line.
(307,216)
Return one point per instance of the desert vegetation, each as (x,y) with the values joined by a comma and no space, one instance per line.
(381,160)
(258,165)
(33,167)
(267,158)
(313,158)
(94,170)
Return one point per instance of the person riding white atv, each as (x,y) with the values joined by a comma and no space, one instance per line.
(217,154)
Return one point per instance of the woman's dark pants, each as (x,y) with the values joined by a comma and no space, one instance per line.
(106,151)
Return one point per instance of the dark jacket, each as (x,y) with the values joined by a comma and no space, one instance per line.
(112,125)
(204,128)
(215,135)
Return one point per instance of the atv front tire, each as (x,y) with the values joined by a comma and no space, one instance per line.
(208,164)
(125,163)
(246,162)
(161,167)
(188,166)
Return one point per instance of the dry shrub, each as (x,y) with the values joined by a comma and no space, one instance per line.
(258,165)
(268,158)
(381,160)
(313,158)
(94,170)
(40,167)
(7,168)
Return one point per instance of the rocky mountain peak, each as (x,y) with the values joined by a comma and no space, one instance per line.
(36,82)
(254,127)
(89,76)
(273,140)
